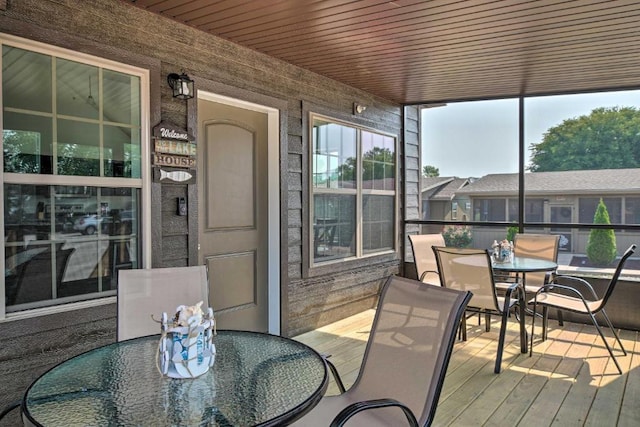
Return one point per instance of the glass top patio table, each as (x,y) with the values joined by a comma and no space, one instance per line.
(257,379)
(524,265)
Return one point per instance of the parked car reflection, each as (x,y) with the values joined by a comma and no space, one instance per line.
(118,223)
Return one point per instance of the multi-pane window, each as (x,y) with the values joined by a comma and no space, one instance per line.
(632,210)
(588,205)
(353,191)
(72,150)
(489,209)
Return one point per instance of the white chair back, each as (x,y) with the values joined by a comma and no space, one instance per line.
(143,293)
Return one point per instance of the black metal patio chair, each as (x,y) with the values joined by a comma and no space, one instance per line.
(569,298)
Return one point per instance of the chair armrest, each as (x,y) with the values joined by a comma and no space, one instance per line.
(424,273)
(545,288)
(576,280)
(334,372)
(549,277)
(354,408)
(507,296)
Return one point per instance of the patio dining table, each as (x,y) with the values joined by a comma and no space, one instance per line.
(523,265)
(257,379)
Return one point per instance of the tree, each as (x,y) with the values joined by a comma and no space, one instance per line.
(601,247)
(377,163)
(430,171)
(607,138)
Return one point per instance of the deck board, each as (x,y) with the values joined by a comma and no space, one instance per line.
(570,380)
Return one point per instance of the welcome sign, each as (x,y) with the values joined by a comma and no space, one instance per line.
(173,150)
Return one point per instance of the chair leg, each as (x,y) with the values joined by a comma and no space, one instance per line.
(533,325)
(615,334)
(560,319)
(503,330)
(487,321)
(545,320)
(463,327)
(604,340)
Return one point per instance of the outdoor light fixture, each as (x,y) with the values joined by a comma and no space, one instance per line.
(358,108)
(181,84)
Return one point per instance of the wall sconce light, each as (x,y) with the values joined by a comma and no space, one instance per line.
(181,84)
(358,108)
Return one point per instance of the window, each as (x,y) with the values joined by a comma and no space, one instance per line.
(353,190)
(588,205)
(454,210)
(489,209)
(632,210)
(72,180)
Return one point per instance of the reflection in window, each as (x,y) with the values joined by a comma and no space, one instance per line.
(377,223)
(21,151)
(351,188)
(97,118)
(334,226)
(334,156)
(378,162)
(67,241)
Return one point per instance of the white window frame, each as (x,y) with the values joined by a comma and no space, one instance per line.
(359,192)
(142,183)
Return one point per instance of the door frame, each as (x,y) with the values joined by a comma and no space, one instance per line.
(273,195)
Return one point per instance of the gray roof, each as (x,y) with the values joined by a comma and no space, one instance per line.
(566,182)
(431,182)
(449,190)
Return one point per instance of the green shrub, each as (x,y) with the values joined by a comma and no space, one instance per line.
(511,233)
(457,236)
(601,247)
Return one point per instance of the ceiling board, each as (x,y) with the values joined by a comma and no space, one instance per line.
(414,51)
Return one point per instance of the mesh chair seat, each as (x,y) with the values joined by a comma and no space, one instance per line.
(414,324)
(425,261)
(569,303)
(501,301)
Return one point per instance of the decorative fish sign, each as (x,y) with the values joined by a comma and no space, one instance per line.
(177,176)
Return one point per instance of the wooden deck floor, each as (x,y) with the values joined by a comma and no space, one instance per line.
(569,381)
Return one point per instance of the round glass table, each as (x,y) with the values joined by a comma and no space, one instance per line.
(524,265)
(257,379)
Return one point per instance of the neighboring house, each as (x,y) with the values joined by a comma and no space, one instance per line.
(555,197)
(444,198)
(441,200)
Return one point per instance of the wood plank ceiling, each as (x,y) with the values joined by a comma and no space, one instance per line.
(418,51)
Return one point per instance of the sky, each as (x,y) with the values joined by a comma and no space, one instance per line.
(477,138)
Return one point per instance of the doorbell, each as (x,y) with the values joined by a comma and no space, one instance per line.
(182,206)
